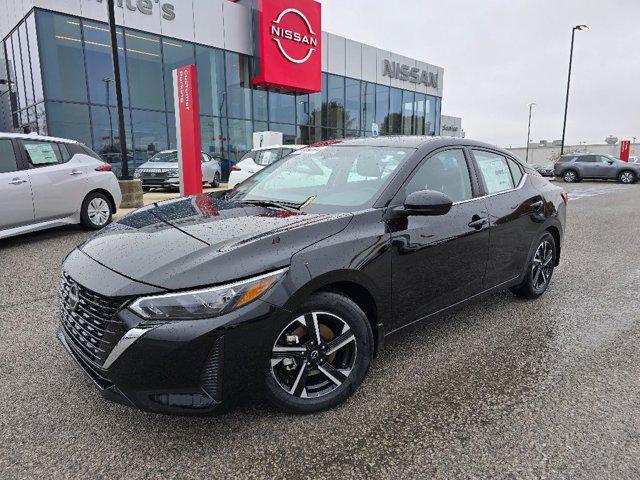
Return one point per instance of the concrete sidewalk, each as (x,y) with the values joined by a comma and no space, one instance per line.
(160,196)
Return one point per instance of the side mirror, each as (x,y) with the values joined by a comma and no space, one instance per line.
(610,162)
(427,202)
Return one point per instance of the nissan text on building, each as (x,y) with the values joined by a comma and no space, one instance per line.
(263,65)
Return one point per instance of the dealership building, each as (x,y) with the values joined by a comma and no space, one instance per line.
(56,77)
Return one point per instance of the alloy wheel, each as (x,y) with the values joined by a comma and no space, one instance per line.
(313,355)
(626,177)
(542,266)
(570,177)
(98,211)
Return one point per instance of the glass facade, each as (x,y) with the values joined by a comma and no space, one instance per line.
(60,82)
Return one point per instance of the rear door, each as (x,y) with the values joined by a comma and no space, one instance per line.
(588,166)
(59,183)
(511,209)
(16,202)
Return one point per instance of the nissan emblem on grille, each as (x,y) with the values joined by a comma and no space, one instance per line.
(73,297)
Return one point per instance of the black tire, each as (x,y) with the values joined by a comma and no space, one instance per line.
(627,177)
(96,211)
(570,176)
(533,285)
(146,189)
(216,180)
(307,371)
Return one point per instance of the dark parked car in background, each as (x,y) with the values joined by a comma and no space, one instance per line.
(289,285)
(578,166)
(544,171)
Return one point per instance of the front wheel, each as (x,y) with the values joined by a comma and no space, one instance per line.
(216,180)
(95,212)
(627,177)
(539,269)
(320,355)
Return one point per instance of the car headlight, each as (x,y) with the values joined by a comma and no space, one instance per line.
(137,174)
(205,303)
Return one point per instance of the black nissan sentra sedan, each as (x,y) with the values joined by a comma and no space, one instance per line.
(290,283)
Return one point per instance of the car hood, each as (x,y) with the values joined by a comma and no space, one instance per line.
(203,240)
(147,165)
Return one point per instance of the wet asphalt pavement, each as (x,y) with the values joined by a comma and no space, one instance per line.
(500,388)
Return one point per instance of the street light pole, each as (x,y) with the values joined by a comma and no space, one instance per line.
(566,104)
(118,81)
(531,105)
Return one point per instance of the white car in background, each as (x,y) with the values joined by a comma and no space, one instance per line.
(48,182)
(161,171)
(255,160)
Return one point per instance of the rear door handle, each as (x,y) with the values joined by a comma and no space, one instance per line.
(478,223)
(537,205)
(17,181)
(75,172)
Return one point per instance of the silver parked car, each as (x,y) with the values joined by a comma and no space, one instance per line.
(161,171)
(47,182)
(578,166)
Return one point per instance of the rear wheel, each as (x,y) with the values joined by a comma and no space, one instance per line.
(320,355)
(95,212)
(570,176)
(539,269)
(627,177)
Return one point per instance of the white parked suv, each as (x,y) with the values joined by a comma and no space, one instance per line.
(255,160)
(47,182)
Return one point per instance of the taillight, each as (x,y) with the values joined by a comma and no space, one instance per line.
(565,197)
(235,169)
(105,167)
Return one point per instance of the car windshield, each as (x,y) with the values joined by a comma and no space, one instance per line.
(326,178)
(165,157)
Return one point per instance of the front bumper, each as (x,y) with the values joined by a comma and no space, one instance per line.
(186,368)
(159,182)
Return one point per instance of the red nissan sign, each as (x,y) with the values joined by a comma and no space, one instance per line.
(290,38)
(625,148)
(185,87)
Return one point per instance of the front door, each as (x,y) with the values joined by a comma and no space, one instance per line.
(59,183)
(16,203)
(438,260)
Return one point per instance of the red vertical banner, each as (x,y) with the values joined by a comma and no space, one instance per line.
(187,107)
(625,148)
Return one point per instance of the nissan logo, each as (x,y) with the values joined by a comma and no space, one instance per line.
(279,33)
(73,298)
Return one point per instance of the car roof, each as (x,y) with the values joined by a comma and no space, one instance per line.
(273,147)
(411,141)
(35,136)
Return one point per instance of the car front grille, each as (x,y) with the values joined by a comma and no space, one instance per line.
(89,320)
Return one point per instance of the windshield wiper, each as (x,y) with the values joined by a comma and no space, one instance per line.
(280,204)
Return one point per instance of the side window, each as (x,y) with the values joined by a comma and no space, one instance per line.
(586,159)
(267,157)
(42,154)
(285,152)
(64,151)
(445,172)
(7,157)
(495,171)
(604,159)
(205,158)
(516,172)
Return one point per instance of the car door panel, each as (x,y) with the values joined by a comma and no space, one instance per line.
(438,261)
(16,201)
(511,206)
(59,189)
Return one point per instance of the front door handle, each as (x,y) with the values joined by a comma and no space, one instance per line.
(17,181)
(478,222)
(75,172)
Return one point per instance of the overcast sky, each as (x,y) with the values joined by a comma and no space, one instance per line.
(499,55)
